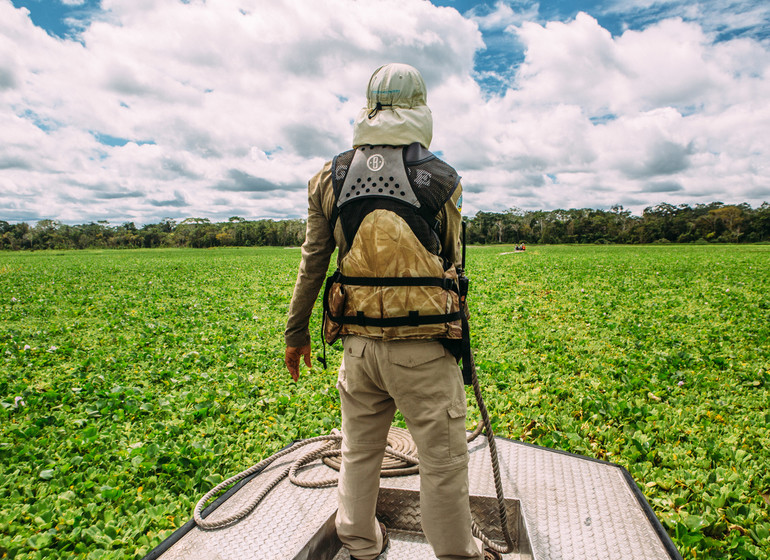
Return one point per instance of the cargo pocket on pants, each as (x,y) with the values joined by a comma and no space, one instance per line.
(353,351)
(458,440)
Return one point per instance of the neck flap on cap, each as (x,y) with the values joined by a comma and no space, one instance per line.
(396,113)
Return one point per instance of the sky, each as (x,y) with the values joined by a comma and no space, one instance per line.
(141,110)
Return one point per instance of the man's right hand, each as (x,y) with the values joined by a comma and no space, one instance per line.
(291,360)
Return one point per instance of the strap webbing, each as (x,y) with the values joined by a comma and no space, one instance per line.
(413,319)
(445,283)
(467,353)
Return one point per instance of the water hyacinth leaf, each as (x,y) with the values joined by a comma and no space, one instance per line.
(39,541)
(47,474)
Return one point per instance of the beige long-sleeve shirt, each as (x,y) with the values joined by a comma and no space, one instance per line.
(320,242)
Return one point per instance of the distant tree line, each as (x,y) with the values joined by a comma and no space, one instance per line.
(192,232)
(665,223)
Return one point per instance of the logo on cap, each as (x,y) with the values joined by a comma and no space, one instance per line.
(375,162)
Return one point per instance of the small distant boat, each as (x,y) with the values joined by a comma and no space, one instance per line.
(560,506)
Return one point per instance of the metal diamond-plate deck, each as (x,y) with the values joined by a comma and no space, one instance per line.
(411,546)
(563,506)
(573,507)
(279,528)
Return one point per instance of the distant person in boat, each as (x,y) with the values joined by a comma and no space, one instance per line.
(393,210)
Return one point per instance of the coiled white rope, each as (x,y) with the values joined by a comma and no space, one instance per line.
(400,460)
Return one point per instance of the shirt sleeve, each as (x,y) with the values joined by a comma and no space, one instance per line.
(316,251)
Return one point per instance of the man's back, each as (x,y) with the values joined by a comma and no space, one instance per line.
(392,208)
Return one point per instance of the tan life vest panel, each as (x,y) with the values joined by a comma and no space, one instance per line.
(392,284)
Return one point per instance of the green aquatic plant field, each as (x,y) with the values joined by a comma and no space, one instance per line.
(133,381)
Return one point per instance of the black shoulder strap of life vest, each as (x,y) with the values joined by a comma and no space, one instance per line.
(432,180)
(340,166)
(425,168)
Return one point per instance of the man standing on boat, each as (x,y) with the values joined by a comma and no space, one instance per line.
(393,210)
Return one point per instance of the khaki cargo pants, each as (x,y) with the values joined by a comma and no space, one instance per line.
(422,380)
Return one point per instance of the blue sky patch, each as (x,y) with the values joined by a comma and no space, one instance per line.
(58,19)
(116,141)
(44,124)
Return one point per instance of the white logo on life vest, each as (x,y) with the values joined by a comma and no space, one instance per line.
(375,162)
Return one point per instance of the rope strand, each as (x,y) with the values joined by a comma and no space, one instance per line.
(399,461)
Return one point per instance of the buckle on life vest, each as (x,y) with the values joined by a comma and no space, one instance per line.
(414,319)
(360,318)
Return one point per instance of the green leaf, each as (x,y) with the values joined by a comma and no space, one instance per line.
(695,523)
(47,474)
(39,541)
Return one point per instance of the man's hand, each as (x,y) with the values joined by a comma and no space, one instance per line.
(293,354)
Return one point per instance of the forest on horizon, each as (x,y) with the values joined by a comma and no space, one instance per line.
(665,223)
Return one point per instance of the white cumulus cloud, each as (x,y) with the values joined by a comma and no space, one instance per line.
(227,107)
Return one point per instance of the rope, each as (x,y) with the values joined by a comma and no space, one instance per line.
(502,510)
(238,515)
(400,459)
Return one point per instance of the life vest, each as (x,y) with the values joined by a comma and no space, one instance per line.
(393,283)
